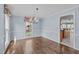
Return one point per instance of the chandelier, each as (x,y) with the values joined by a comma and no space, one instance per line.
(34,18)
(36,15)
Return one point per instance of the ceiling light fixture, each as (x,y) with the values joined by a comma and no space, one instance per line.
(34,18)
(36,15)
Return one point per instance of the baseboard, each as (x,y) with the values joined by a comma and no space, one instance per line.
(59,43)
(29,37)
(50,39)
(76,48)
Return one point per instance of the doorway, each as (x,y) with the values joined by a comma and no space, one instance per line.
(67,30)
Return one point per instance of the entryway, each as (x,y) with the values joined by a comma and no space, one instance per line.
(67,30)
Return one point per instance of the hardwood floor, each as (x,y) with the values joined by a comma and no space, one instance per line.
(39,45)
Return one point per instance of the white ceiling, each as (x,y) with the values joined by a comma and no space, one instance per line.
(44,9)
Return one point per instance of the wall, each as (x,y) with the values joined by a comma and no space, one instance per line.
(77,29)
(18,28)
(37,28)
(50,28)
(2,28)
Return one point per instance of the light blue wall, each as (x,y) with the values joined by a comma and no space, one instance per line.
(18,28)
(50,28)
(2,28)
(37,28)
(77,29)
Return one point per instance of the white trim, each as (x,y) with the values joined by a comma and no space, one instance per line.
(63,14)
(50,39)
(76,48)
(74,27)
(59,29)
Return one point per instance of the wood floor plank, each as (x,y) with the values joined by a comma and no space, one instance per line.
(39,45)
